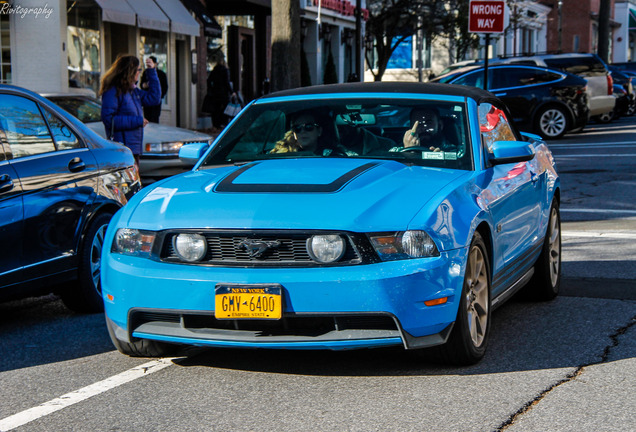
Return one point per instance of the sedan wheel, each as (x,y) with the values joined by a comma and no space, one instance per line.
(552,123)
(86,294)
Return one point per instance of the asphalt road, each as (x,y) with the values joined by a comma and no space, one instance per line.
(565,365)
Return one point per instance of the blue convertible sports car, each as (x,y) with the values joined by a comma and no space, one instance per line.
(336,217)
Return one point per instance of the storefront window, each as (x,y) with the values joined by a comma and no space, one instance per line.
(83,41)
(5,48)
(155,43)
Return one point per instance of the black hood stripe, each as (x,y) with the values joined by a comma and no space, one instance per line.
(228,185)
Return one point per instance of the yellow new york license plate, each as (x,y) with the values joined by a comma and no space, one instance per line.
(247,301)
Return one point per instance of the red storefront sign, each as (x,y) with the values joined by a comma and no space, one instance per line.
(344,7)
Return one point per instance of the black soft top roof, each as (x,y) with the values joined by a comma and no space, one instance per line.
(389,87)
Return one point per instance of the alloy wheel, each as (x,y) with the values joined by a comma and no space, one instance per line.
(477,295)
(554,247)
(96,256)
(553,122)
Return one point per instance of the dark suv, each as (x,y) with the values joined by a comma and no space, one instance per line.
(543,101)
(600,87)
(60,184)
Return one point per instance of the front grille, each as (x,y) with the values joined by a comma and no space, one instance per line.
(224,248)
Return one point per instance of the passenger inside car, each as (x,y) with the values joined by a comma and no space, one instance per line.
(427,131)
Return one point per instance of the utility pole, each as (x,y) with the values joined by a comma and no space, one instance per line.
(285,44)
(604,30)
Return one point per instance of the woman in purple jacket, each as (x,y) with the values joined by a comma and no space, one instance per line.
(123,101)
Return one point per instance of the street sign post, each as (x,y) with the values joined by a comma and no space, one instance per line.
(486,16)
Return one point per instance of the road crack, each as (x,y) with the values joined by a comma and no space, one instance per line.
(569,377)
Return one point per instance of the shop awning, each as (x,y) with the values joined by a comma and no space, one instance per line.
(149,15)
(117,11)
(211,28)
(180,19)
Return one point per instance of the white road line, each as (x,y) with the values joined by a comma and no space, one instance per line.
(76,396)
(600,155)
(611,211)
(595,144)
(598,234)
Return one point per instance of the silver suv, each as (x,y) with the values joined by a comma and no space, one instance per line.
(589,66)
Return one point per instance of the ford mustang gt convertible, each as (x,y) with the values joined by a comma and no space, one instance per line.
(337,217)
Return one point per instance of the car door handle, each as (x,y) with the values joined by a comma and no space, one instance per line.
(6,183)
(76,165)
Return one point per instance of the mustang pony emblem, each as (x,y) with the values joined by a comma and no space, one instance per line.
(256,248)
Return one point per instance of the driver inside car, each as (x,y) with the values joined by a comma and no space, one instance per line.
(426,131)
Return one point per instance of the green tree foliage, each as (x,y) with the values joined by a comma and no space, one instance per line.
(392,21)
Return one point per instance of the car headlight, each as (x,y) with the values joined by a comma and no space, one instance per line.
(163,147)
(133,242)
(326,248)
(190,247)
(403,245)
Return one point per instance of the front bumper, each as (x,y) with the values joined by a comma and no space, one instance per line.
(369,305)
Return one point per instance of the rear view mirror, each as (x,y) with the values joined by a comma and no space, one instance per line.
(191,153)
(504,152)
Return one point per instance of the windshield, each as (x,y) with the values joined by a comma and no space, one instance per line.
(427,133)
(85,109)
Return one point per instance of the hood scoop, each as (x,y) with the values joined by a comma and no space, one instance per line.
(232,182)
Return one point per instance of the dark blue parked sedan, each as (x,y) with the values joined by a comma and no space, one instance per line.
(60,184)
(340,217)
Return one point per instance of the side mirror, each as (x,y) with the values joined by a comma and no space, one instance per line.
(191,153)
(504,152)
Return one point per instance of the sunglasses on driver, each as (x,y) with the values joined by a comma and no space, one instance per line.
(307,127)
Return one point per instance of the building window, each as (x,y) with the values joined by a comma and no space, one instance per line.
(402,57)
(155,43)
(5,47)
(83,41)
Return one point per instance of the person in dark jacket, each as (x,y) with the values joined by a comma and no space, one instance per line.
(153,112)
(123,101)
(219,92)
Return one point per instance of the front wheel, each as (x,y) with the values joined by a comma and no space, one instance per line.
(85,295)
(469,337)
(551,122)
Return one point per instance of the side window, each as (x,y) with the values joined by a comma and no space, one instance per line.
(63,136)
(473,79)
(493,126)
(25,129)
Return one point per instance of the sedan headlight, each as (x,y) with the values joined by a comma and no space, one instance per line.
(163,148)
(403,245)
(190,247)
(133,242)
(169,148)
(326,248)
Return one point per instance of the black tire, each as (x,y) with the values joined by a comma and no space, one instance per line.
(551,122)
(469,337)
(141,347)
(85,295)
(546,281)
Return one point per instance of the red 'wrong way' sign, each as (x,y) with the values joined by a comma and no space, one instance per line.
(486,16)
